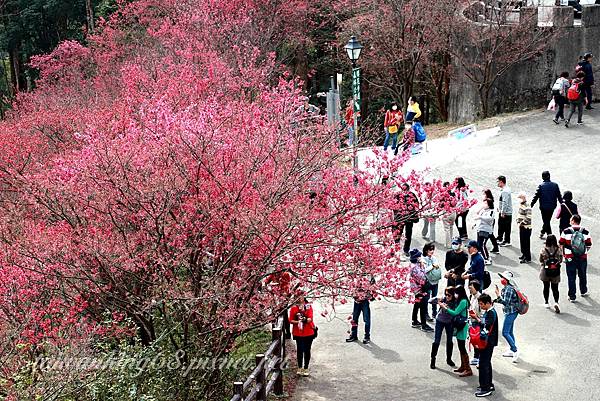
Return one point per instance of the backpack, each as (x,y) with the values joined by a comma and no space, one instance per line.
(420,135)
(522,302)
(573,92)
(552,265)
(556,88)
(478,336)
(578,242)
(434,275)
(487,279)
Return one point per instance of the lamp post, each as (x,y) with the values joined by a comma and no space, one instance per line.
(353,48)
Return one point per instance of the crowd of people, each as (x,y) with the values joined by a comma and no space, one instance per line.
(466,304)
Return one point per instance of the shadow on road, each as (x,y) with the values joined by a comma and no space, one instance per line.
(573,319)
(383,354)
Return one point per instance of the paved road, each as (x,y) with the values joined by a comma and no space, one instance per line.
(560,353)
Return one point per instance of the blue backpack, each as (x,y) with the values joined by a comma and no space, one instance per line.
(420,135)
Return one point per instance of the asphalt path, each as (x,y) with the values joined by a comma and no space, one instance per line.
(560,353)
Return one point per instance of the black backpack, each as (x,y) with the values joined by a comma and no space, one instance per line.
(552,264)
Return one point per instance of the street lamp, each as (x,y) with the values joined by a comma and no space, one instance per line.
(353,49)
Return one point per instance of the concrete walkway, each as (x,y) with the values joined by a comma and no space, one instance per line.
(560,353)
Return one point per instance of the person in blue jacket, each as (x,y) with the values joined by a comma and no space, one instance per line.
(477,268)
(549,196)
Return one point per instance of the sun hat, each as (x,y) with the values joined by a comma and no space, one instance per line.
(508,276)
(415,254)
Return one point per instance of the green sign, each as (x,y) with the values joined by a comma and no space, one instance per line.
(356,88)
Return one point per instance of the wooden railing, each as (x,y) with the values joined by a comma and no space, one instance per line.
(267,376)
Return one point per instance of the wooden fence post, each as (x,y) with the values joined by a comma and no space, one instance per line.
(261,379)
(277,335)
(238,389)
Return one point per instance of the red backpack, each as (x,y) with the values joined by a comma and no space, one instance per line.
(478,337)
(573,92)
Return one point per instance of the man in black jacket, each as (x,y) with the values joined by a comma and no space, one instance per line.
(405,216)
(548,194)
(489,321)
(588,81)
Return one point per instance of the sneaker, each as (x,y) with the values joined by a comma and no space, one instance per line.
(491,388)
(474,361)
(306,373)
(567,124)
(555,120)
(504,244)
(585,294)
(547,305)
(300,372)
(508,354)
(415,325)
(429,319)
(522,261)
(351,339)
(572,300)
(515,357)
(580,123)
(488,262)
(589,108)
(483,393)
(426,329)
(495,250)
(556,308)
(366,340)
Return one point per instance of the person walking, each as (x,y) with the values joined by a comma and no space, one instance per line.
(433,273)
(443,322)
(303,330)
(505,211)
(463,203)
(567,210)
(477,267)
(489,323)
(459,321)
(551,257)
(413,112)
(576,96)
(420,289)
(392,125)
(487,194)
(362,305)
(474,312)
(588,79)
(559,92)
(524,223)
(548,193)
(509,299)
(405,218)
(484,227)
(576,243)
(455,264)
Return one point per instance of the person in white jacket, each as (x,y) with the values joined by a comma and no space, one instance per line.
(485,227)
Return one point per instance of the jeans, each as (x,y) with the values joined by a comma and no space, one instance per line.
(560,109)
(398,235)
(546,218)
(386,142)
(508,330)
(485,368)
(577,267)
(482,239)
(525,240)
(579,107)
(429,228)
(448,222)
(555,293)
(364,308)
(504,225)
(350,129)
(433,291)
(437,335)
(461,223)
(303,346)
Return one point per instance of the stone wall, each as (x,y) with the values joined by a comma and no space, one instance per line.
(528,84)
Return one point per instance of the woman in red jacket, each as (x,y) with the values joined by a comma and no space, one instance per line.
(303,329)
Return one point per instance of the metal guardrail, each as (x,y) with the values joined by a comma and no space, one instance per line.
(267,376)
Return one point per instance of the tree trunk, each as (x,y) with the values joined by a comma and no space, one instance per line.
(15,70)
(89,11)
